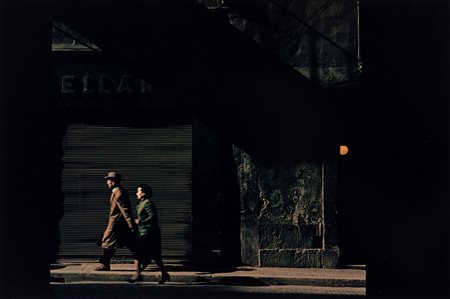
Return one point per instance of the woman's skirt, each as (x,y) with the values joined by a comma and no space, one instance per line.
(148,248)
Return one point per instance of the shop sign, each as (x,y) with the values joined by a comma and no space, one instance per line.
(102,84)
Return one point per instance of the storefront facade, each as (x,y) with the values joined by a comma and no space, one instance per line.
(117,121)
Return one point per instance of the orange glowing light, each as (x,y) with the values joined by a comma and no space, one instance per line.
(343,150)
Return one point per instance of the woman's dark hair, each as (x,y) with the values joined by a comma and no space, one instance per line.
(146,189)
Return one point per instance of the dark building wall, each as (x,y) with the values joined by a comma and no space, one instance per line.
(402,140)
(288,206)
(215,202)
(30,152)
(205,189)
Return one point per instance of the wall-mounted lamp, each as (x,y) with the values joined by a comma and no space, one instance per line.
(343,150)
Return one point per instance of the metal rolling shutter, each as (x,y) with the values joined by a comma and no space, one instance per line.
(161,157)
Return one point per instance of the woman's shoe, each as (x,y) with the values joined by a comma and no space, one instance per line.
(102,267)
(165,277)
(135,278)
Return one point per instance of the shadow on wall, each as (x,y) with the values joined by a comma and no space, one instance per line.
(220,76)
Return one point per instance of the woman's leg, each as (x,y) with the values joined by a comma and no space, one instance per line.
(134,247)
(164,275)
(137,272)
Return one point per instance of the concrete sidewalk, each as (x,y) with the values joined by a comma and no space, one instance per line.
(76,271)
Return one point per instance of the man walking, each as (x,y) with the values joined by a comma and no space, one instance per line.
(121,226)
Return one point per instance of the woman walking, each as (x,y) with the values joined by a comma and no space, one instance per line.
(149,241)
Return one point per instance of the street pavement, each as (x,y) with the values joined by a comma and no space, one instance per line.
(116,290)
(78,279)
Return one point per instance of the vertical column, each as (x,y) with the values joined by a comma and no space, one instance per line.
(29,151)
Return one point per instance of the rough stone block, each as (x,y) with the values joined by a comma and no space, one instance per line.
(330,258)
(276,258)
(308,258)
(249,243)
(279,236)
(307,234)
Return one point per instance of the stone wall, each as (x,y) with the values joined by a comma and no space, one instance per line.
(282,214)
(318,38)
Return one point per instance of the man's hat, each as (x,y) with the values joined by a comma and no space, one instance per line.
(112,175)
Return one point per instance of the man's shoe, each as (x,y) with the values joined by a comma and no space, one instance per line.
(102,268)
(135,278)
